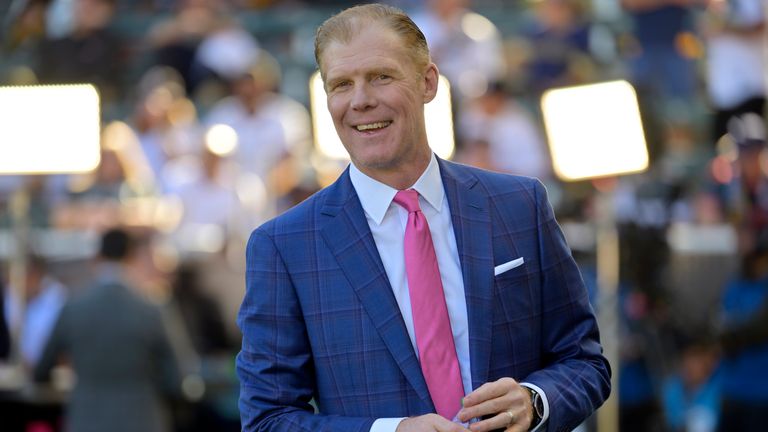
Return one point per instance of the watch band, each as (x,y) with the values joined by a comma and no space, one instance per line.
(538,407)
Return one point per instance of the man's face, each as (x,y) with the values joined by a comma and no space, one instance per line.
(376,98)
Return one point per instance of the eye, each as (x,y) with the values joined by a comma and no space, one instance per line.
(383,77)
(340,85)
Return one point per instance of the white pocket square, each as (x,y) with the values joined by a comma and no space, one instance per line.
(501,268)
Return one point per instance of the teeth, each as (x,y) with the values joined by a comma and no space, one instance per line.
(370,126)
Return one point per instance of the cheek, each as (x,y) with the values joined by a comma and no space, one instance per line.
(336,108)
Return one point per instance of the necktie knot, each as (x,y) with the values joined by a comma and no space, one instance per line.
(408,199)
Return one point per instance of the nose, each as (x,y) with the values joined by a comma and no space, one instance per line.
(363,98)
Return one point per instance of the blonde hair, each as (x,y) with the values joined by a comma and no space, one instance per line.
(347,23)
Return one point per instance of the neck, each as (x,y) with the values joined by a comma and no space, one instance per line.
(402,176)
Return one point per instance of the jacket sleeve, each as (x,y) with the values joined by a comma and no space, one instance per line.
(575,376)
(275,365)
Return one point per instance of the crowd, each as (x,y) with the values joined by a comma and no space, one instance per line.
(206,134)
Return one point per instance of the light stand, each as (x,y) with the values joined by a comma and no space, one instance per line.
(43,130)
(595,131)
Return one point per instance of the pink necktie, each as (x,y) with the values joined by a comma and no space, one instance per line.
(434,339)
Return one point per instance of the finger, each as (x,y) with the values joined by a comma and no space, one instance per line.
(438,423)
(453,427)
(445,425)
(493,406)
(518,427)
(489,391)
(500,421)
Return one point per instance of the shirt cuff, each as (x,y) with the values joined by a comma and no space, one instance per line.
(386,424)
(544,400)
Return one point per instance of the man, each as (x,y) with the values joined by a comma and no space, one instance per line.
(335,306)
(117,345)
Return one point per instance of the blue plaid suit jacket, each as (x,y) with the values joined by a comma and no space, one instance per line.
(319,318)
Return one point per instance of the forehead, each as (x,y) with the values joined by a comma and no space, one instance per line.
(373,47)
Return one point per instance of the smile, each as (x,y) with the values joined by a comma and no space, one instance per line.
(373,126)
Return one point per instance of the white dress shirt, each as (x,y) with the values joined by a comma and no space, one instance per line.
(387,222)
(40,315)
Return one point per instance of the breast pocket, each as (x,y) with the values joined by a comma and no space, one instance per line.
(512,273)
(514,281)
(507,266)
(516,315)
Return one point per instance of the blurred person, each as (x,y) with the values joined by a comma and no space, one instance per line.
(164,122)
(109,180)
(691,395)
(200,310)
(335,311)
(174,40)
(643,216)
(659,52)
(44,297)
(748,198)
(735,60)
(476,153)
(708,209)
(660,68)
(94,199)
(43,192)
(683,165)
(685,156)
(226,52)
(272,129)
(117,346)
(752,330)
(471,60)
(210,202)
(744,338)
(515,141)
(25,24)
(639,367)
(559,45)
(91,52)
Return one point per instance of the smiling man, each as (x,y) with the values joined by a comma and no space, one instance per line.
(413,294)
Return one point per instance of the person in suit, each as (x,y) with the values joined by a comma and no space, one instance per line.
(118,348)
(484,325)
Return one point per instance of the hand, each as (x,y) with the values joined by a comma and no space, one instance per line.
(429,423)
(507,401)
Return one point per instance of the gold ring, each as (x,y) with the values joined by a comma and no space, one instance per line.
(511,416)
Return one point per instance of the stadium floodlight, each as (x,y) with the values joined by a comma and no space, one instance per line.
(594,130)
(49,129)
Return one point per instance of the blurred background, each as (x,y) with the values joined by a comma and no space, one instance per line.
(206,132)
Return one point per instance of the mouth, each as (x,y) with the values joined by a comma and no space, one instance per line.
(372,127)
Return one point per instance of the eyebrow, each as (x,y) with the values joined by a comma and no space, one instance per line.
(388,70)
(385,70)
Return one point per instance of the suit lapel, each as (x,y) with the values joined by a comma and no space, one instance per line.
(346,232)
(470,214)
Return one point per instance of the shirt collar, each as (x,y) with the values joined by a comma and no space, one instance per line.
(375,197)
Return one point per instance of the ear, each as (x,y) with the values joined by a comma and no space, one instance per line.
(431,75)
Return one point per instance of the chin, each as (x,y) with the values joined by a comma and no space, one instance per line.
(376,158)
(377,163)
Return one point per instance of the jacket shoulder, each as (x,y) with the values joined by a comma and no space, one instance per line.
(495,183)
